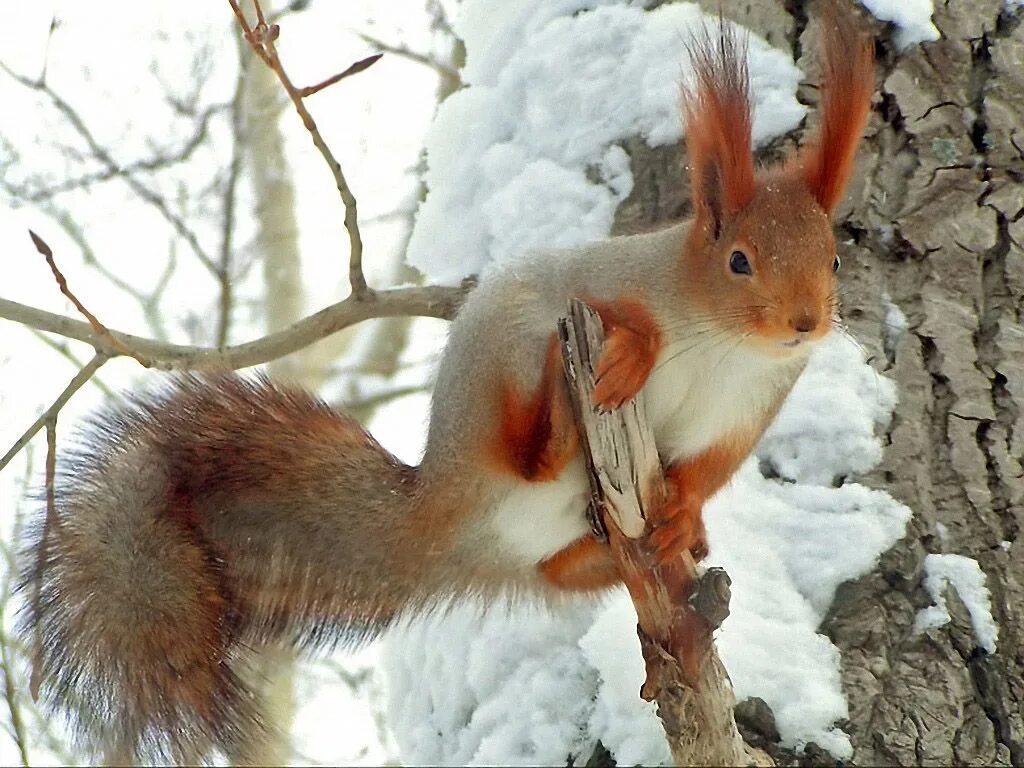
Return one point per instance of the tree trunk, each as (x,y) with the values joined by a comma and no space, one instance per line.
(932,229)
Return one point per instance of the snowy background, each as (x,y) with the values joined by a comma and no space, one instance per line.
(528,154)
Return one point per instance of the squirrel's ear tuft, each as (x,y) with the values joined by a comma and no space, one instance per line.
(847,82)
(717,113)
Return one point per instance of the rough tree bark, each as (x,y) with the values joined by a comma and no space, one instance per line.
(934,225)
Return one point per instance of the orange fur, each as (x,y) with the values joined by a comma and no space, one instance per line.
(847,83)
(631,350)
(679,526)
(537,435)
(717,113)
(586,565)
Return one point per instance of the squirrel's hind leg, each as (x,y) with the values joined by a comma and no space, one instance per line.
(583,566)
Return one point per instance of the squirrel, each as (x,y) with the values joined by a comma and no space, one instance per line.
(225,512)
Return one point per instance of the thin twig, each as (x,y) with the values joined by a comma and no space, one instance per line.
(50,524)
(61,348)
(9,551)
(261,38)
(18,733)
(150,303)
(104,156)
(76,384)
(354,69)
(109,172)
(78,237)
(227,239)
(11,696)
(408,53)
(362,408)
(62,283)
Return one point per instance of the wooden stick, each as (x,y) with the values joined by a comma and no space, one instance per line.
(676,610)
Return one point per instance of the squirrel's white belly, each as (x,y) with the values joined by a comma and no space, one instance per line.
(535,520)
(691,402)
(695,400)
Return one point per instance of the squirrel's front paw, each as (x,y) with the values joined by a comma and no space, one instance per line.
(678,528)
(626,362)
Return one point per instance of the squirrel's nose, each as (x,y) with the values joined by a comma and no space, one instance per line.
(804,322)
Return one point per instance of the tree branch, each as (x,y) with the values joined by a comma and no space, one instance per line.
(261,37)
(432,301)
(50,414)
(408,53)
(145,165)
(104,157)
(62,283)
(676,610)
(354,69)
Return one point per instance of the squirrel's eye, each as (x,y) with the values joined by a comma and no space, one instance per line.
(835,264)
(739,263)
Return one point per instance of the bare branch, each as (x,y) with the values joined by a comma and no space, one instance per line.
(354,69)
(62,283)
(150,303)
(50,413)
(147,165)
(50,523)
(433,301)
(101,154)
(363,408)
(11,696)
(51,469)
(229,197)
(261,38)
(7,649)
(79,238)
(62,349)
(408,53)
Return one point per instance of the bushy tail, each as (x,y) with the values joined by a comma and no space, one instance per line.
(192,527)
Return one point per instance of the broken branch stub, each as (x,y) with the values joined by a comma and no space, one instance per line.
(621,436)
(676,610)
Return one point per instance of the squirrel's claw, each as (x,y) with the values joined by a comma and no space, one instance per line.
(679,528)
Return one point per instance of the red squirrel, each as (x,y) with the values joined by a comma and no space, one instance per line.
(227,512)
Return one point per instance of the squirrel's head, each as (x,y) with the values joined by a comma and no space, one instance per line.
(761,258)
